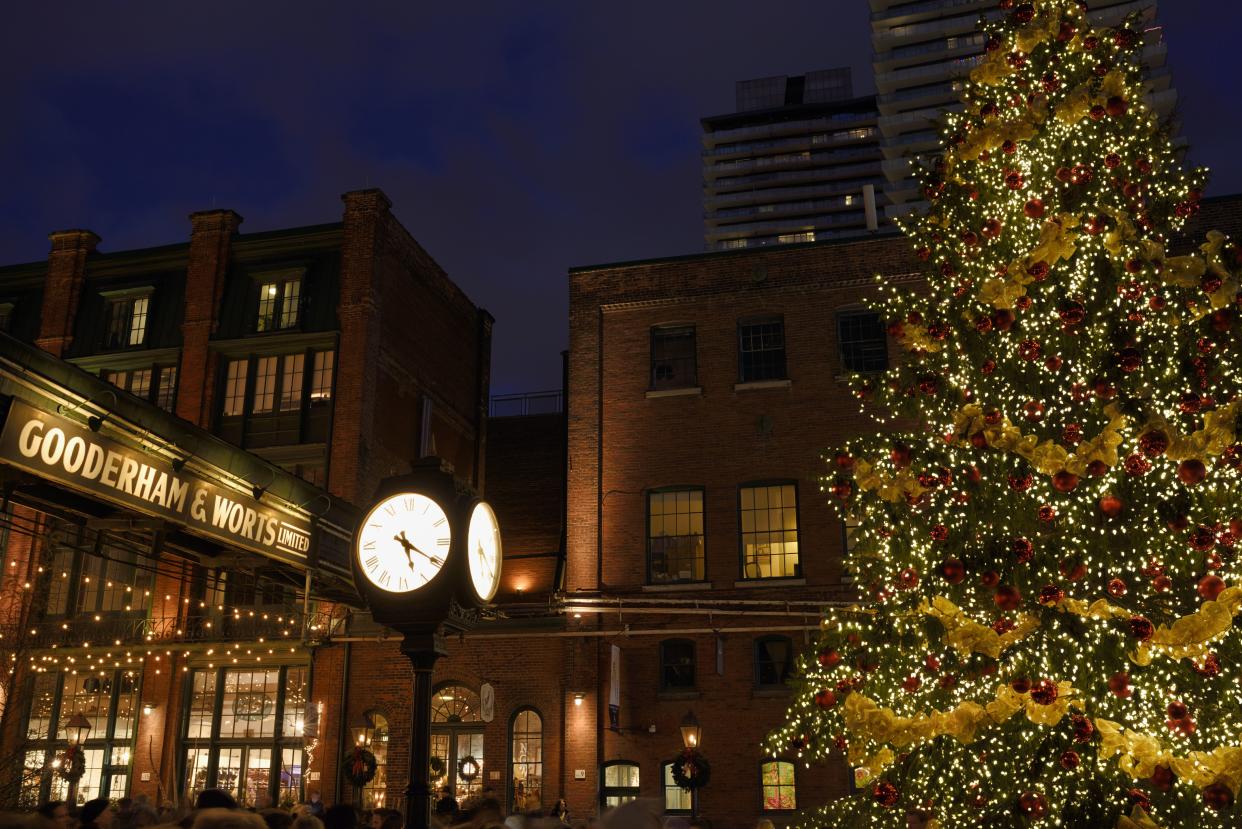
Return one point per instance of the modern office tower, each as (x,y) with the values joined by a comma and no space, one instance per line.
(924,51)
(791,164)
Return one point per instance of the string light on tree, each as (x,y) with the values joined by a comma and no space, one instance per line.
(1052,631)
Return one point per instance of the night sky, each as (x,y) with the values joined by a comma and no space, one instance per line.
(515,139)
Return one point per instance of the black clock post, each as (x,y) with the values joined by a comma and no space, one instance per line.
(421,522)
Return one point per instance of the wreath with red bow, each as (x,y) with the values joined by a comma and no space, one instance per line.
(359,766)
(72,764)
(691,770)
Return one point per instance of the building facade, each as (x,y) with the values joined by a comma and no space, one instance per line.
(925,49)
(316,360)
(792,164)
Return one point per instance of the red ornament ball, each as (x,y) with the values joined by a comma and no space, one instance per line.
(1112,161)
(1218,797)
(1044,692)
(829,658)
(1191,471)
(1008,597)
(1154,443)
(1034,209)
(1020,483)
(1097,469)
(1014,180)
(1033,804)
(1177,711)
(939,532)
(885,793)
(991,229)
(825,699)
(1064,481)
(1020,684)
(1063,174)
(1111,506)
(1023,549)
(1070,759)
(911,683)
(1141,628)
(1116,106)
(1136,465)
(1082,727)
(908,579)
(1030,350)
(1119,685)
(1210,587)
(1162,778)
(1117,588)
(989,578)
(953,570)
(1033,411)
(1051,595)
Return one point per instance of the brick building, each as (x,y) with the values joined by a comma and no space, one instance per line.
(314,361)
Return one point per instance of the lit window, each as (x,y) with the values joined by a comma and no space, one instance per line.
(280,304)
(126,324)
(676,665)
(321,376)
(264,385)
(291,382)
(120,379)
(769,521)
(761,350)
(791,238)
(140,383)
(620,783)
(779,788)
(675,535)
(773,661)
(733,244)
(673,357)
(676,799)
(862,342)
(526,761)
(235,388)
(375,738)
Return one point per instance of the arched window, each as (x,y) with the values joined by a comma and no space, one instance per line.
(455,704)
(676,799)
(779,788)
(773,661)
(618,783)
(526,761)
(676,665)
(375,737)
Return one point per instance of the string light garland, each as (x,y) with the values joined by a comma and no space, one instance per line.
(1058,536)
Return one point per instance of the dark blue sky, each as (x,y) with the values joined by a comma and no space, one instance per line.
(516,139)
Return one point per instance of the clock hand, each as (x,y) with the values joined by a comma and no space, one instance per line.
(406,546)
(491,571)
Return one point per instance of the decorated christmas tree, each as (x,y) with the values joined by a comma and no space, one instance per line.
(1049,525)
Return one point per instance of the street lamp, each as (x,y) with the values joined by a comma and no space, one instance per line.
(75,760)
(691,731)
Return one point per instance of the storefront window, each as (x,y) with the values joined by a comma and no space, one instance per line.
(457,735)
(526,761)
(243,733)
(108,700)
(375,738)
(620,783)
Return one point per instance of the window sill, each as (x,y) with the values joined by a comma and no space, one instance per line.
(771,582)
(675,586)
(684,694)
(689,391)
(763,384)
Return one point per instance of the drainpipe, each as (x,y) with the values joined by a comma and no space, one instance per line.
(342,731)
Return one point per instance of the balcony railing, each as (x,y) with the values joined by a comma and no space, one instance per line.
(527,403)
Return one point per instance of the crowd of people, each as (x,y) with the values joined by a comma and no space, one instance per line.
(217,809)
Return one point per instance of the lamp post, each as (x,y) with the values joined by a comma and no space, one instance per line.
(76,730)
(691,731)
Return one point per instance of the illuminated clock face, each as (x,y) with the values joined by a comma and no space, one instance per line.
(483,551)
(403,542)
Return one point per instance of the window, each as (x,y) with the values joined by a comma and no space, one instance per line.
(235,388)
(675,535)
(456,733)
(793,238)
(676,799)
(108,700)
(620,783)
(526,761)
(93,573)
(243,733)
(375,738)
(676,665)
(673,363)
(291,382)
(779,789)
(761,350)
(862,342)
(264,385)
(280,303)
(156,384)
(321,377)
(126,321)
(773,661)
(769,521)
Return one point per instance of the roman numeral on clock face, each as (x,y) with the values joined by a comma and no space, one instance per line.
(372,562)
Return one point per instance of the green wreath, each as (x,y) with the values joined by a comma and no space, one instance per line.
(691,770)
(436,766)
(359,766)
(461,768)
(72,764)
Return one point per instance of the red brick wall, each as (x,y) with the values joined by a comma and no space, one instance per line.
(66,271)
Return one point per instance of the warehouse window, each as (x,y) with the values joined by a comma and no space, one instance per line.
(674,535)
(620,783)
(676,665)
(126,323)
(773,661)
(526,761)
(761,350)
(673,358)
(779,788)
(769,531)
(676,799)
(280,303)
(862,342)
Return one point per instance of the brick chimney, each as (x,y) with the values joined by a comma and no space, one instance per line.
(66,273)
